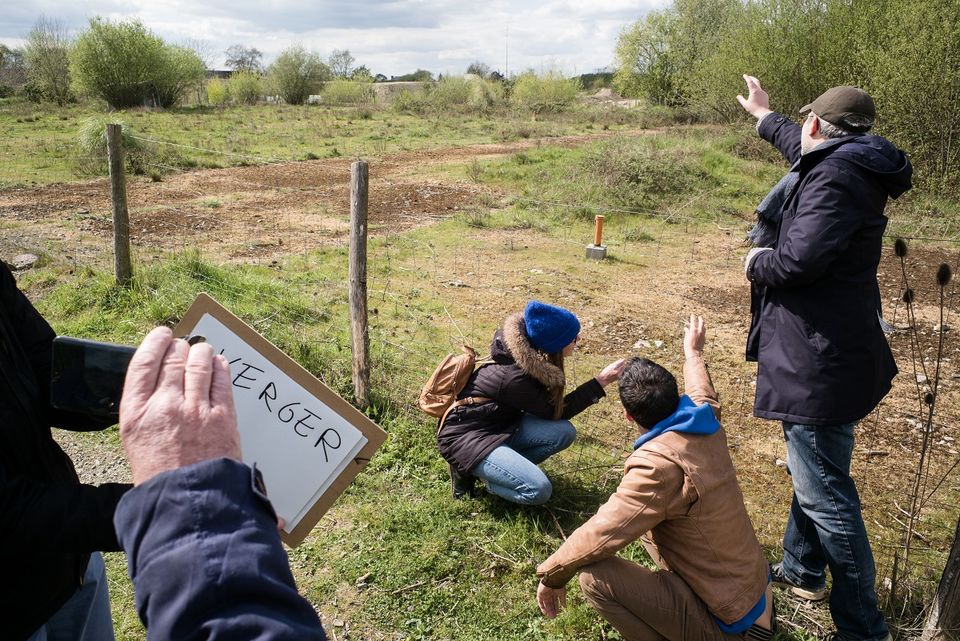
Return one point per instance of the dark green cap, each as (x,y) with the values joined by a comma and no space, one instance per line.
(849,108)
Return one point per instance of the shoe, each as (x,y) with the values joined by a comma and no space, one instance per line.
(802,591)
(462,485)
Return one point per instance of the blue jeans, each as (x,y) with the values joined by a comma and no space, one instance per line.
(511,471)
(86,616)
(825,528)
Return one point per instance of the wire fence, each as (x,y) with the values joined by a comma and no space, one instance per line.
(427,297)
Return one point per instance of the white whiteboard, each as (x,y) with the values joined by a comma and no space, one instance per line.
(297,442)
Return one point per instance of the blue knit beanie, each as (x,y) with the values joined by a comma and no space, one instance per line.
(550,328)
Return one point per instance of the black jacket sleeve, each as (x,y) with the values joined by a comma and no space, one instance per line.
(522,392)
(36,336)
(206,560)
(782,133)
(59,516)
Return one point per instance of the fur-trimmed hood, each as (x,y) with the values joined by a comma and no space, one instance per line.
(512,344)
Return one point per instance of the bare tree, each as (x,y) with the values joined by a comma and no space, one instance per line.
(478,68)
(46,59)
(204,50)
(341,63)
(243,58)
(13,72)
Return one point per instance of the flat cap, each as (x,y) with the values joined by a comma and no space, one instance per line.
(846,107)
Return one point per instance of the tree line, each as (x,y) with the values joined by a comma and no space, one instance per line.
(126,65)
(906,53)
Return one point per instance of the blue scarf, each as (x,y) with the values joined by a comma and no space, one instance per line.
(689,418)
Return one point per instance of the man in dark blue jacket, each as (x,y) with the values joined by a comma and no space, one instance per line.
(200,534)
(823,361)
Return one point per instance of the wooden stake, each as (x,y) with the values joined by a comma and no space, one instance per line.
(598,231)
(358,282)
(118,194)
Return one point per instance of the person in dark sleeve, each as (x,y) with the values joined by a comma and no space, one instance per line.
(823,360)
(201,537)
(52,527)
(513,413)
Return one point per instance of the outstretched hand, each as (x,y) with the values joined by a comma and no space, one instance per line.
(177,406)
(757,103)
(611,372)
(694,336)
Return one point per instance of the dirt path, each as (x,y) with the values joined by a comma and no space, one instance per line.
(246,212)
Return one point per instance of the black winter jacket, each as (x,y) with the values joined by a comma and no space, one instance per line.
(823,358)
(520,380)
(49,522)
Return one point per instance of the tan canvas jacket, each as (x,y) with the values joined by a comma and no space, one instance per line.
(680,494)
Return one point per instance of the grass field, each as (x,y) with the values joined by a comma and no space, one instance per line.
(396,558)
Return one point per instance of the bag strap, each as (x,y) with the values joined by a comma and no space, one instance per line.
(470,400)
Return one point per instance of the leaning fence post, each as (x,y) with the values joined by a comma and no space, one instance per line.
(358,282)
(118,194)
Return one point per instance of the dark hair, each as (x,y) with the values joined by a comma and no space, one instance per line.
(556,395)
(648,392)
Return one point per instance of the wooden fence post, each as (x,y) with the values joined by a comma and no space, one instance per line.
(359,182)
(118,194)
(943,618)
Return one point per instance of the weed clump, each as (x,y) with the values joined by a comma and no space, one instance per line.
(637,173)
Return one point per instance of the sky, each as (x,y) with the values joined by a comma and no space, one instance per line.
(391,37)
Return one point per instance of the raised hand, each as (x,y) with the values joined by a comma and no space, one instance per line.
(757,103)
(694,336)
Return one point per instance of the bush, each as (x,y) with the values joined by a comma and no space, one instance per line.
(637,172)
(127,66)
(217,92)
(180,70)
(411,102)
(486,95)
(450,93)
(347,92)
(550,92)
(244,87)
(298,73)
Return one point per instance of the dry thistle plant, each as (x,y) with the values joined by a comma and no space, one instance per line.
(927,389)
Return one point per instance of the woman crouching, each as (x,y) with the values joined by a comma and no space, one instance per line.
(512,414)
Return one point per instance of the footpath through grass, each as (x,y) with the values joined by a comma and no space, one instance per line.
(396,558)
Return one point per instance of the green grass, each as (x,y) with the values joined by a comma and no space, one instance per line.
(38,143)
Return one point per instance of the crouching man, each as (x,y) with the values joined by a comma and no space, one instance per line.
(680,493)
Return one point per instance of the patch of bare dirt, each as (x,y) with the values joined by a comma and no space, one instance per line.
(257,211)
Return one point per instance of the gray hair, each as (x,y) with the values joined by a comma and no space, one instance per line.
(830,130)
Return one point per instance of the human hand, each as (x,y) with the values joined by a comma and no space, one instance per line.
(694,336)
(177,406)
(751,255)
(611,372)
(757,104)
(551,600)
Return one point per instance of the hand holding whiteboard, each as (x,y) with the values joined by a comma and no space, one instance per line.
(308,443)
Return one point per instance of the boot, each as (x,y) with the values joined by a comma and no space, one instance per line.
(462,485)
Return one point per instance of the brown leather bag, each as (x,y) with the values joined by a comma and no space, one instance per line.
(439,394)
